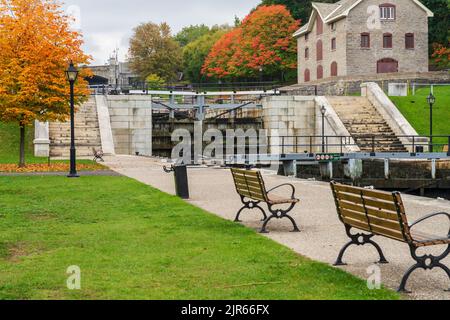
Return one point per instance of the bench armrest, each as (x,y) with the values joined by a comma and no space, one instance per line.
(284,185)
(431,216)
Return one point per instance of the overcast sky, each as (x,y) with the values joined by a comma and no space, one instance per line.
(107,24)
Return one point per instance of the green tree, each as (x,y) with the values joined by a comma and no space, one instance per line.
(195,53)
(191,33)
(154,51)
(440,24)
(300,9)
(155,82)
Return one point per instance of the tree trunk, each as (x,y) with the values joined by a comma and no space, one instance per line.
(22,146)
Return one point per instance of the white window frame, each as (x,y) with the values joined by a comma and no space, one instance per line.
(387,13)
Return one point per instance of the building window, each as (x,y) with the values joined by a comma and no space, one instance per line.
(365,40)
(319,72)
(333,44)
(409,41)
(387,11)
(306,37)
(334,69)
(307,53)
(387,41)
(333,26)
(319,50)
(307,75)
(319,25)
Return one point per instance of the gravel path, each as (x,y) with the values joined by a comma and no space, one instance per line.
(322,235)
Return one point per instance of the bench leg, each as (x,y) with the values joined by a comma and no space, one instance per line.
(250,205)
(359,239)
(280,214)
(426,262)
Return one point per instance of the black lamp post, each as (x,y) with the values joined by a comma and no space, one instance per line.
(72,75)
(431,101)
(323,110)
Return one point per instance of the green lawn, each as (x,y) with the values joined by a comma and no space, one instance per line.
(416,110)
(134,242)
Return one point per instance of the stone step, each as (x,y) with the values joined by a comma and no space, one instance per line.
(361,118)
(86,130)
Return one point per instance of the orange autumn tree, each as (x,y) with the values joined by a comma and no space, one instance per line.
(36,46)
(441,56)
(263,42)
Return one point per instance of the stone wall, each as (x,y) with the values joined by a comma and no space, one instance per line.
(410,18)
(352,84)
(131,124)
(338,55)
(296,123)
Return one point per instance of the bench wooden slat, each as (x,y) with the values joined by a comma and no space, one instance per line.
(387,215)
(371,202)
(373,220)
(349,197)
(249,184)
(352,206)
(366,192)
(375,229)
(372,211)
(245,182)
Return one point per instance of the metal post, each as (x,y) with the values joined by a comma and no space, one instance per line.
(386,169)
(373,144)
(73,153)
(431,100)
(448,151)
(433,169)
(323,133)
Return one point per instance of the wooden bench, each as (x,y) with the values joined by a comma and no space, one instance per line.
(383,214)
(251,188)
(98,155)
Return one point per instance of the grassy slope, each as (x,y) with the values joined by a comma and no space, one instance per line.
(134,242)
(416,110)
(9,144)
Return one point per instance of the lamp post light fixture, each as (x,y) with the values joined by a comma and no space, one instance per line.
(323,110)
(431,99)
(72,75)
(261,75)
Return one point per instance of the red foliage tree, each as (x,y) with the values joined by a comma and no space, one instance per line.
(262,42)
(441,56)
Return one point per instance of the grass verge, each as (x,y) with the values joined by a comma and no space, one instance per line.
(416,110)
(134,242)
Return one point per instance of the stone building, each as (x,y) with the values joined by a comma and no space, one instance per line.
(114,74)
(363,37)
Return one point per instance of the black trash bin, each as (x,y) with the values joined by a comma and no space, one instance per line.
(181,180)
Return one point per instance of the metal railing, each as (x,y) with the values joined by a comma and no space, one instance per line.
(193,87)
(366,143)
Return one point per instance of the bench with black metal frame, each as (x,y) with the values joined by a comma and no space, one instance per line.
(98,155)
(251,188)
(383,214)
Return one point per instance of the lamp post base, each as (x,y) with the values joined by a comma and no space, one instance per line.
(73,176)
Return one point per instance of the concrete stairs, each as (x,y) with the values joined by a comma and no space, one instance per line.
(366,125)
(87,133)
